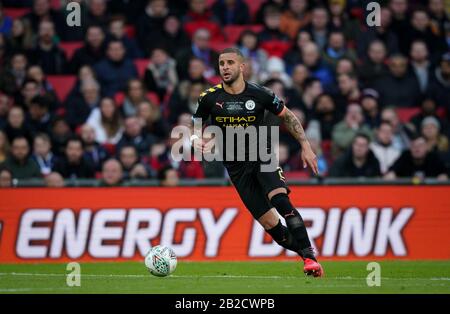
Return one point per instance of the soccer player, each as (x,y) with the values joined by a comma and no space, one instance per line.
(238,103)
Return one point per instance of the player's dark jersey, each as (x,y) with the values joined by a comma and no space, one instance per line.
(238,110)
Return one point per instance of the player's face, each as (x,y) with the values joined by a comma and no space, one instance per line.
(231,67)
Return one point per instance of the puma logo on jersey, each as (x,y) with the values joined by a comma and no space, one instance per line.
(219,104)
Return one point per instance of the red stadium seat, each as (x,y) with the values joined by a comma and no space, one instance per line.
(405,114)
(141,65)
(62,84)
(276,48)
(70,47)
(55,4)
(119,97)
(214,29)
(233,32)
(16,12)
(253,7)
(297,175)
(130,31)
(218,46)
(153,97)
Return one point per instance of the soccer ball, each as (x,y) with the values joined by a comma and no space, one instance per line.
(161,261)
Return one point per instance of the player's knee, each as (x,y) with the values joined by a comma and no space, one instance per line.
(283,205)
(269,220)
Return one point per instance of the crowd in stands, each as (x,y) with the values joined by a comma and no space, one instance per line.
(99,100)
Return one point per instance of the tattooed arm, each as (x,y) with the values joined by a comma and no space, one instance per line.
(295,128)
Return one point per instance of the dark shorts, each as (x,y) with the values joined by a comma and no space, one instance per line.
(253,185)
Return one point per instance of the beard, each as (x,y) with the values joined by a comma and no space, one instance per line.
(231,79)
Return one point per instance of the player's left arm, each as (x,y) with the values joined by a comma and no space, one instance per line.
(295,128)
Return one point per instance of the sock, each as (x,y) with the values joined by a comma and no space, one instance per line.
(283,237)
(294,223)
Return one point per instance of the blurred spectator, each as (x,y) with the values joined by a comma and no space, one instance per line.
(359,161)
(132,167)
(299,75)
(54,180)
(374,66)
(97,13)
(117,31)
(340,19)
(106,121)
(73,165)
(200,48)
(29,90)
(312,88)
(231,12)
(132,9)
(19,162)
(134,135)
(3,51)
(112,173)
(21,35)
(371,107)
(6,178)
(152,120)
(135,93)
(402,132)
(348,90)
(336,49)
(5,104)
(174,38)
(279,4)
(150,24)
(417,162)
(93,151)
(161,75)
(383,147)
(5,22)
(184,100)
(276,69)
(168,177)
(382,33)
(14,74)
(345,65)
(60,134)
(293,56)
(114,71)
(421,30)
(85,73)
(312,60)
(428,108)
(196,71)
(440,84)
(92,51)
(420,64)
(40,118)
(199,12)
(401,23)
(271,30)
(399,88)
(46,52)
(439,19)
(436,142)
(42,153)
(319,26)
(323,118)
(42,11)
(45,89)
(16,126)
(296,16)
(4,146)
(344,132)
(79,108)
(249,46)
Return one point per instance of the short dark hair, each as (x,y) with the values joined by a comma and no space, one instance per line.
(362,135)
(75,138)
(232,50)
(162,173)
(20,137)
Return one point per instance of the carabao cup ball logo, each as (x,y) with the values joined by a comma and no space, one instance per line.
(250,104)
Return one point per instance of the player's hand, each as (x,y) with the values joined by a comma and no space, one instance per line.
(309,159)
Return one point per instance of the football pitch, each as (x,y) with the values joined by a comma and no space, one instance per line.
(228,277)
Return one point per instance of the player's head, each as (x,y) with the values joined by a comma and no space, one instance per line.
(231,65)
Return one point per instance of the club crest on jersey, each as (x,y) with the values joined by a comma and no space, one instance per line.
(250,104)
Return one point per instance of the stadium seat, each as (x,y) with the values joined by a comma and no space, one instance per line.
(153,97)
(276,48)
(130,30)
(296,175)
(253,7)
(405,114)
(233,32)
(55,4)
(141,65)
(218,46)
(70,47)
(214,29)
(119,98)
(62,84)
(15,12)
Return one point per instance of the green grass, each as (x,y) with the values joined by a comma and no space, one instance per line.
(228,277)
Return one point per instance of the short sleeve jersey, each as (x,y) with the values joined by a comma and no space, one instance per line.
(238,110)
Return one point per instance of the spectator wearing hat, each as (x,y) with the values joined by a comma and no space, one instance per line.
(430,130)
(371,107)
(418,162)
(383,147)
(358,161)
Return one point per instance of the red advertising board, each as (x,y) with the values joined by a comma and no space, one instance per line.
(211,223)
